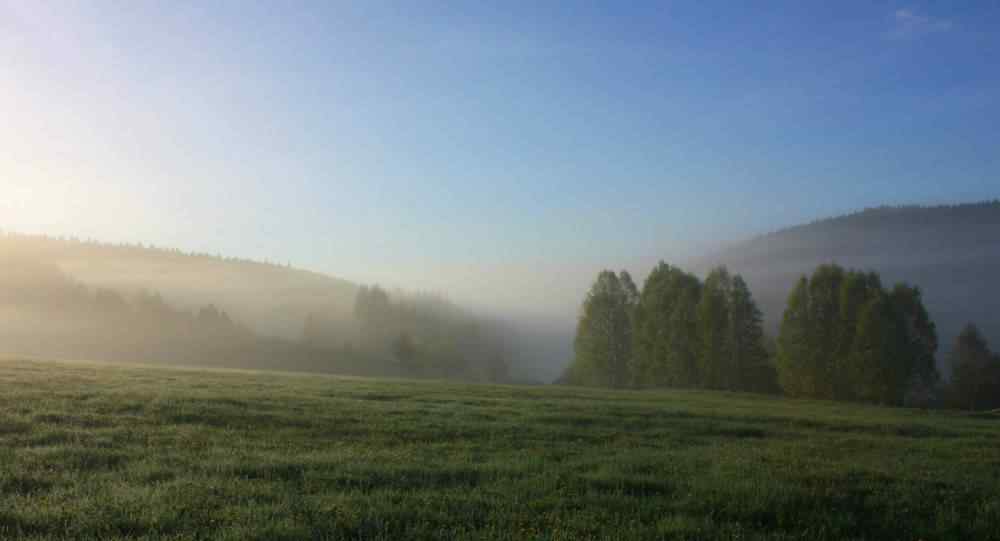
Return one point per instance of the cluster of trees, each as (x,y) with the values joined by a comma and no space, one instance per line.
(678,331)
(418,336)
(844,336)
(47,314)
(975,378)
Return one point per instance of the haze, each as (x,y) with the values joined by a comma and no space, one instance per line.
(501,155)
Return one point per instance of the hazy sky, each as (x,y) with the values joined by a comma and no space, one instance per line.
(501,153)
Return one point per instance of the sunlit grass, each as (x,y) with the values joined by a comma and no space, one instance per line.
(97,451)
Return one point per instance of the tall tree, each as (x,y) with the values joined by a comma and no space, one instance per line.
(921,333)
(716,358)
(373,310)
(971,360)
(665,328)
(878,365)
(405,352)
(857,289)
(824,316)
(603,341)
(683,344)
(796,373)
(750,357)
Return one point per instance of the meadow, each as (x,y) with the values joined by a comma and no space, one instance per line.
(109,451)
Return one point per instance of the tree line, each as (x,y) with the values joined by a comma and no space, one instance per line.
(677,332)
(45,312)
(417,335)
(843,336)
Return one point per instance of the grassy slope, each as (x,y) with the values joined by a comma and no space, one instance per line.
(109,451)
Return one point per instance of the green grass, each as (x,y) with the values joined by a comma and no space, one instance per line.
(100,451)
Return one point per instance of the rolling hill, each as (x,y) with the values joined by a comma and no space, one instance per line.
(273,299)
(951,252)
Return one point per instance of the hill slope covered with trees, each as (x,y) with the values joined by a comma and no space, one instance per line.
(951,252)
(66,298)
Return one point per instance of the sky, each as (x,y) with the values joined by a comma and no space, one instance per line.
(501,154)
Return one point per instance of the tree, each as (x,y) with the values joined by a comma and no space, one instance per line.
(666,328)
(920,331)
(373,310)
(796,373)
(683,342)
(823,335)
(844,336)
(878,365)
(751,360)
(603,344)
(405,352)
(971,376)
(856,290)
(717,356)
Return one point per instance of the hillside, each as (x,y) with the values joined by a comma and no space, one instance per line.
(97,451)
(71,299)
(273,299)
(951,252)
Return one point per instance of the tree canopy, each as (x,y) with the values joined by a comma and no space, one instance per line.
(676,332)
(843,336)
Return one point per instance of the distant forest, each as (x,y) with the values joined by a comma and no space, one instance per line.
(952,252)
(146,304)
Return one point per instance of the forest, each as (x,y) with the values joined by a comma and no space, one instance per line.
(843,336)
(47,313)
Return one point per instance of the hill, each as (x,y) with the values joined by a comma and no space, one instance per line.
(273,299)
(97,451)
(72,299)
(951,252)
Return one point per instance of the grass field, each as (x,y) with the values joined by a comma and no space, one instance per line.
(99,451)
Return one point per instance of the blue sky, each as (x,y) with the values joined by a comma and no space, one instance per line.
(484,150)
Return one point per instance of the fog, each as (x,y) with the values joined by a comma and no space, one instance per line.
(493,163)
(66,298)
